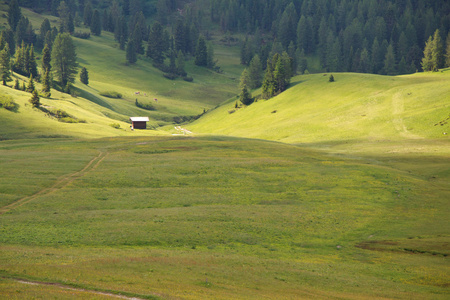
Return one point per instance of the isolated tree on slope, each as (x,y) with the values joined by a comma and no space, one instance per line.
(64,59)
(433,54)
(35,101)
(84,76)
(245,97)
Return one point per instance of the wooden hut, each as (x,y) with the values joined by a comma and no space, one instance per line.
(139,122)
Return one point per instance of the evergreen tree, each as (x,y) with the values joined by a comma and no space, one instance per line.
(35,101)
(427,64)
(269,83)
(245,97)
(32,65)
(87,15)
(331,78)
(255,72)
(131,53)
(201,53)
(64,16)
(45,28)
(5,64)
(17,85)
(179,63)
(46,58)
(210,62)
(389,61)
(46,83)
(437,51)
(30,86)
(14,14)
(96,24)
(84,76)
(156,43)
(64,59)
(447,51)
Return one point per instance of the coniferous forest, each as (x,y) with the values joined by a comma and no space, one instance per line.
(369,36)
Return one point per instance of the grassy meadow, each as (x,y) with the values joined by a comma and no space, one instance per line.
(327,191)
(206,217)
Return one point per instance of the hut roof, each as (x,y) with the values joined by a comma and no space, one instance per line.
(139,119)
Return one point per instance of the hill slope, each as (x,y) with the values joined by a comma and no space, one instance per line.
(354,107)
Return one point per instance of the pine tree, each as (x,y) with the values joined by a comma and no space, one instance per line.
(255,72)
(269,83)
(17,85)
(331,78)
(64,59)
(32,65)
(427,64)
(131,53)
(156,44)
(201,53)
(447,51)
(35,101)
(96,24)
(46,83)
(87,16)
(14,14)
(5,64)
(389,61)
(245,97)
(437,51)
(46,58)
(30,87)
(84,76)
(179,63)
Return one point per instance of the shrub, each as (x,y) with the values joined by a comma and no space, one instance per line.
(170,76)
(188,78)
(147,106)
(111,94)
(82,35)
(7,102)
(115,125)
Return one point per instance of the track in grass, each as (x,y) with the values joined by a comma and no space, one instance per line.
(58,185)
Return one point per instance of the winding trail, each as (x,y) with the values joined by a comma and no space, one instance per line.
(66,287)
(58,185)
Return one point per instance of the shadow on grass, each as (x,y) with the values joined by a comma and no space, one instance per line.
(93,98)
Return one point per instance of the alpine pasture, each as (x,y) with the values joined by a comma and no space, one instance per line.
(327,191)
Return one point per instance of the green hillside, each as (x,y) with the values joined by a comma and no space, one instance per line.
(354,107)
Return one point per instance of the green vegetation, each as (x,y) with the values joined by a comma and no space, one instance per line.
(112,94)
(223,218)
(326,191)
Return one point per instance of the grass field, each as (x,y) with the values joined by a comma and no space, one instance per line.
(327,191)
(220,218)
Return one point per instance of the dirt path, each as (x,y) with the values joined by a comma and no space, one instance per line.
(398,107)
(74,289)
(59,184)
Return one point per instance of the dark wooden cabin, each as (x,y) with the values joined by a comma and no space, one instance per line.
(139,122)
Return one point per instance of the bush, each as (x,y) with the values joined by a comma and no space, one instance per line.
(170,76)
(7,102)
(82,35)
(112,94)
(147,106)
(115,125)
(188,78)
